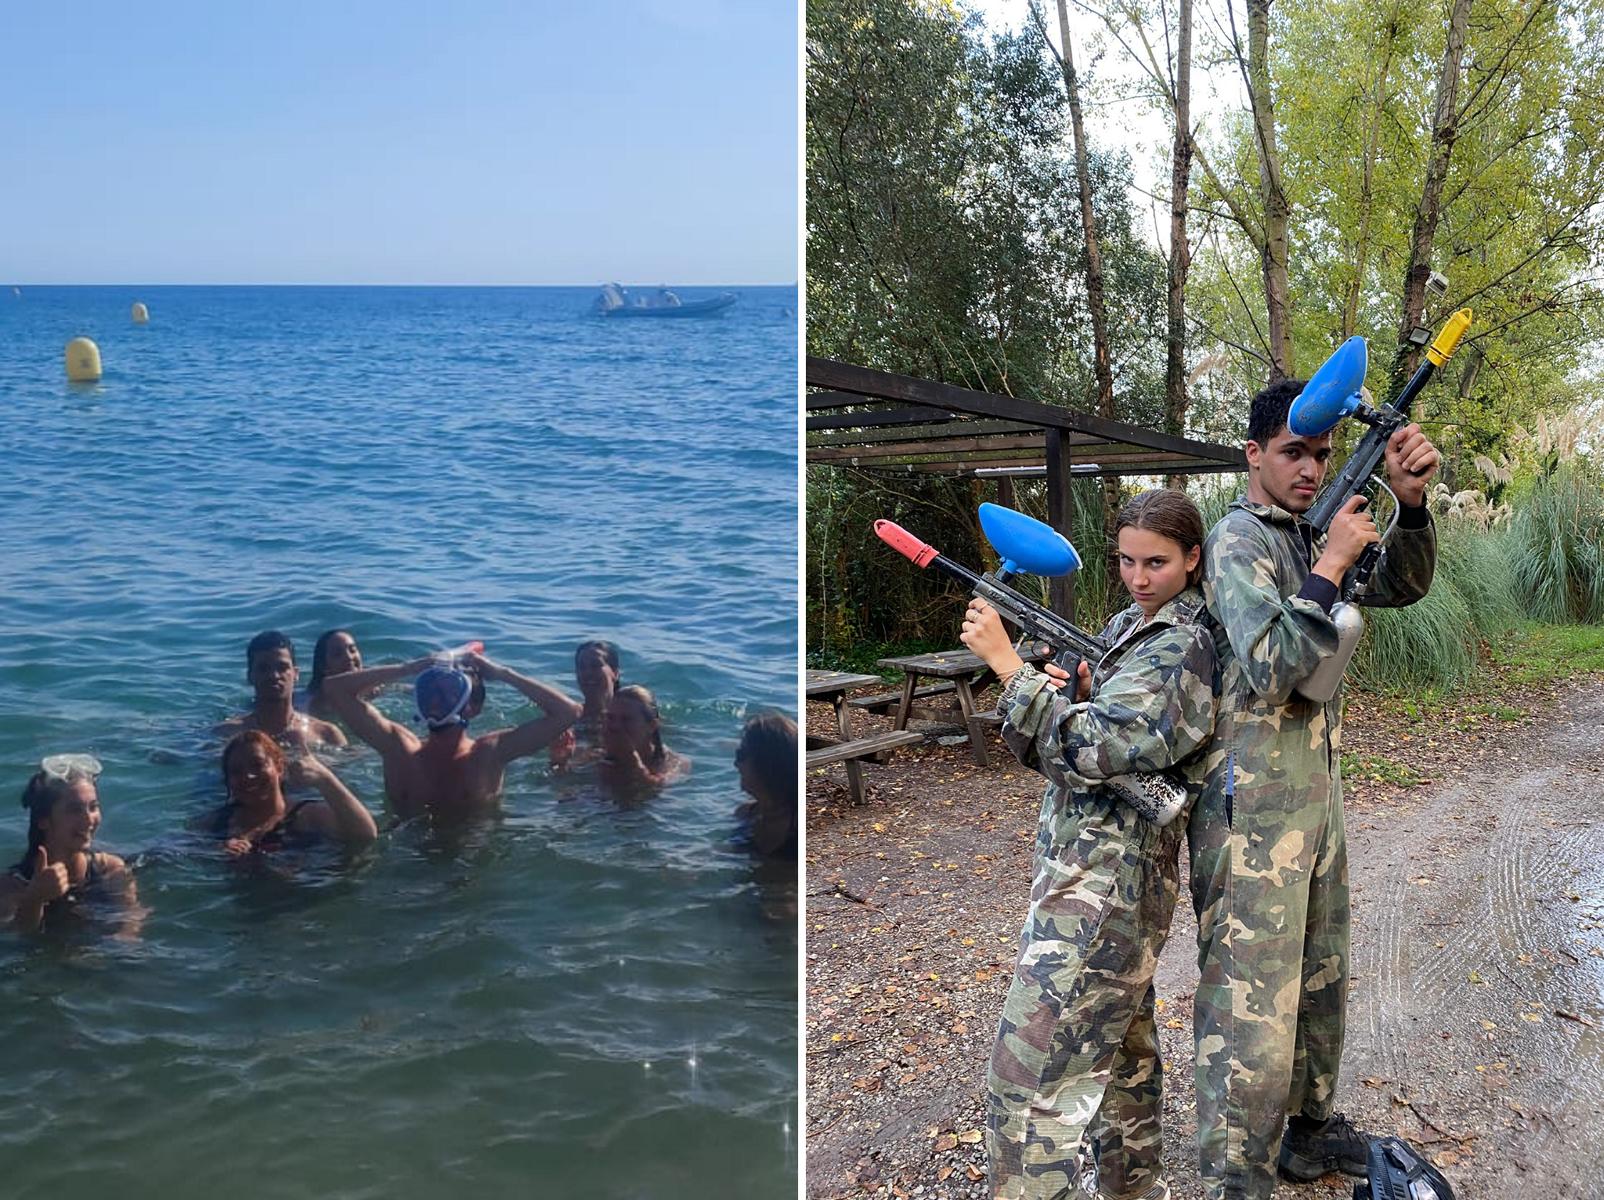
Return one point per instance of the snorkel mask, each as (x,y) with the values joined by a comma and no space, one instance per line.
(442,693)
(67,767)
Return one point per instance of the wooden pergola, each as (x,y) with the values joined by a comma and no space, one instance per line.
(874,420)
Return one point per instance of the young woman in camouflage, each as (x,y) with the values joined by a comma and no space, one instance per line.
(1075,1073)
(1269,866)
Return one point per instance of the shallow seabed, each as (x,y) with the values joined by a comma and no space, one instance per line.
(582,998)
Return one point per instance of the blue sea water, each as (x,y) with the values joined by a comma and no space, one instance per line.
(581,998)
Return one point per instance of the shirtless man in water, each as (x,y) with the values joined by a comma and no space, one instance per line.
(447,773)
(270,667)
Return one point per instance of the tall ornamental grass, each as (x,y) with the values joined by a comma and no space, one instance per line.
(1558,530)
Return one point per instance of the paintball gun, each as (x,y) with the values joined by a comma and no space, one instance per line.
(1396,1171)
(1027,546)
(1334,392)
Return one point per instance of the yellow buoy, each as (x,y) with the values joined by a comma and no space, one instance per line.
(140,313)
(83,360)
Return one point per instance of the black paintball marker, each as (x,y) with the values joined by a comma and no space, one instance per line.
(1334,392)
(1027,546)
(1397,1171)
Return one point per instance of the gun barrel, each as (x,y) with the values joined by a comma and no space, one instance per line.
(899,539)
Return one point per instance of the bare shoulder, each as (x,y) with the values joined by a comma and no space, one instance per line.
(325,731)
(233,725)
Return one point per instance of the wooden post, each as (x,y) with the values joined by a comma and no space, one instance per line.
(1061,588)
(1005,491)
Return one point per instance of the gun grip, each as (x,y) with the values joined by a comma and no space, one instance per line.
(1071,662)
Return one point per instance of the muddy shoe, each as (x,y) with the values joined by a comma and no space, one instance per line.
(1310,1149)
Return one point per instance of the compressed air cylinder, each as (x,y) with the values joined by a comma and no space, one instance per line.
(1324,680)
(140,313)
(83,360)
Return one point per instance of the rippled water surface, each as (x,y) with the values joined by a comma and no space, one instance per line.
(580,999)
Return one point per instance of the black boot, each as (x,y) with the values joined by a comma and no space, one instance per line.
(1310,1149)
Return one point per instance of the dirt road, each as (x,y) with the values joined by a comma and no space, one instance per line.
(1477,1000)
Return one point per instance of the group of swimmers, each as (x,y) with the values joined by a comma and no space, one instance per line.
(445,775)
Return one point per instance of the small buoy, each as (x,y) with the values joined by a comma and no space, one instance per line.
(83,360)
(140,313)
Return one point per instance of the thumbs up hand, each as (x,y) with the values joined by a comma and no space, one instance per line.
(50,880)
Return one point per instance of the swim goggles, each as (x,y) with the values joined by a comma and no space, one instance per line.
(67,767)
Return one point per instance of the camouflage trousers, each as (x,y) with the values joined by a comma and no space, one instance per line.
(1270,887)
(1076,1058)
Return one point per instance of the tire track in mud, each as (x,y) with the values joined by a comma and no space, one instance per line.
(1460,1040)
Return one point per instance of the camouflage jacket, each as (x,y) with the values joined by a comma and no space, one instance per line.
(1275,750)
(1152,707)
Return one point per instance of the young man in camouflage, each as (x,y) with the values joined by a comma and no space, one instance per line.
(1268,861)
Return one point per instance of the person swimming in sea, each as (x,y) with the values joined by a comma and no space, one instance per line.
(334,653)
(634,758)
(766,762)
(270,669)
(258,814)
(61,865)
(448,774)
(597,672)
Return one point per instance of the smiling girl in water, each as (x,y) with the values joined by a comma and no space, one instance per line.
(1075,1072)
(259,817)
(61,865)
(634,757)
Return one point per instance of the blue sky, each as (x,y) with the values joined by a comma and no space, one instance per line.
(399,142)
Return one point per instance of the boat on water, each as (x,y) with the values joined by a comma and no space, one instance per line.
(616,301)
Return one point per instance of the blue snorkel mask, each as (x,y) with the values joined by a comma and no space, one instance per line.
(442,693)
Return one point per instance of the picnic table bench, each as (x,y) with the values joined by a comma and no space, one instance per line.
(962,674)
(832,687)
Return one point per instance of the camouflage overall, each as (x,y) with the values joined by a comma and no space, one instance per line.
(1077,1050)
(1269,864)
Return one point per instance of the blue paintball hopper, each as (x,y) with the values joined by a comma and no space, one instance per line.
(1332,392)
(1027,546)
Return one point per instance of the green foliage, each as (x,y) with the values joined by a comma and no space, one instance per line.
(1378,768)
(1540,654)
(1558,536)
(1429,643)
(1521,228)
(944,241)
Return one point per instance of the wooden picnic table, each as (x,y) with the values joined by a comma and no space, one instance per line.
(832,687)
(968,675)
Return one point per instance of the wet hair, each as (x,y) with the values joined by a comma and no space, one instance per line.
(649,702)
(769,740)
(272,639)
(1268,415)
(318,649)
(609,653)
(39,797)
(247,738)
(1170,514)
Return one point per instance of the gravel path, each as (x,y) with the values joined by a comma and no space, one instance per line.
(1476,848)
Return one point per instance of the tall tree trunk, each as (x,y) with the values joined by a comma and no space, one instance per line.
(1175,398)
(1277,211)
(1102,360)
(1367,180)
(1444,132)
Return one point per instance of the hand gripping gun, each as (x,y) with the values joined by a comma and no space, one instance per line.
(1027,546)
(1333,392)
